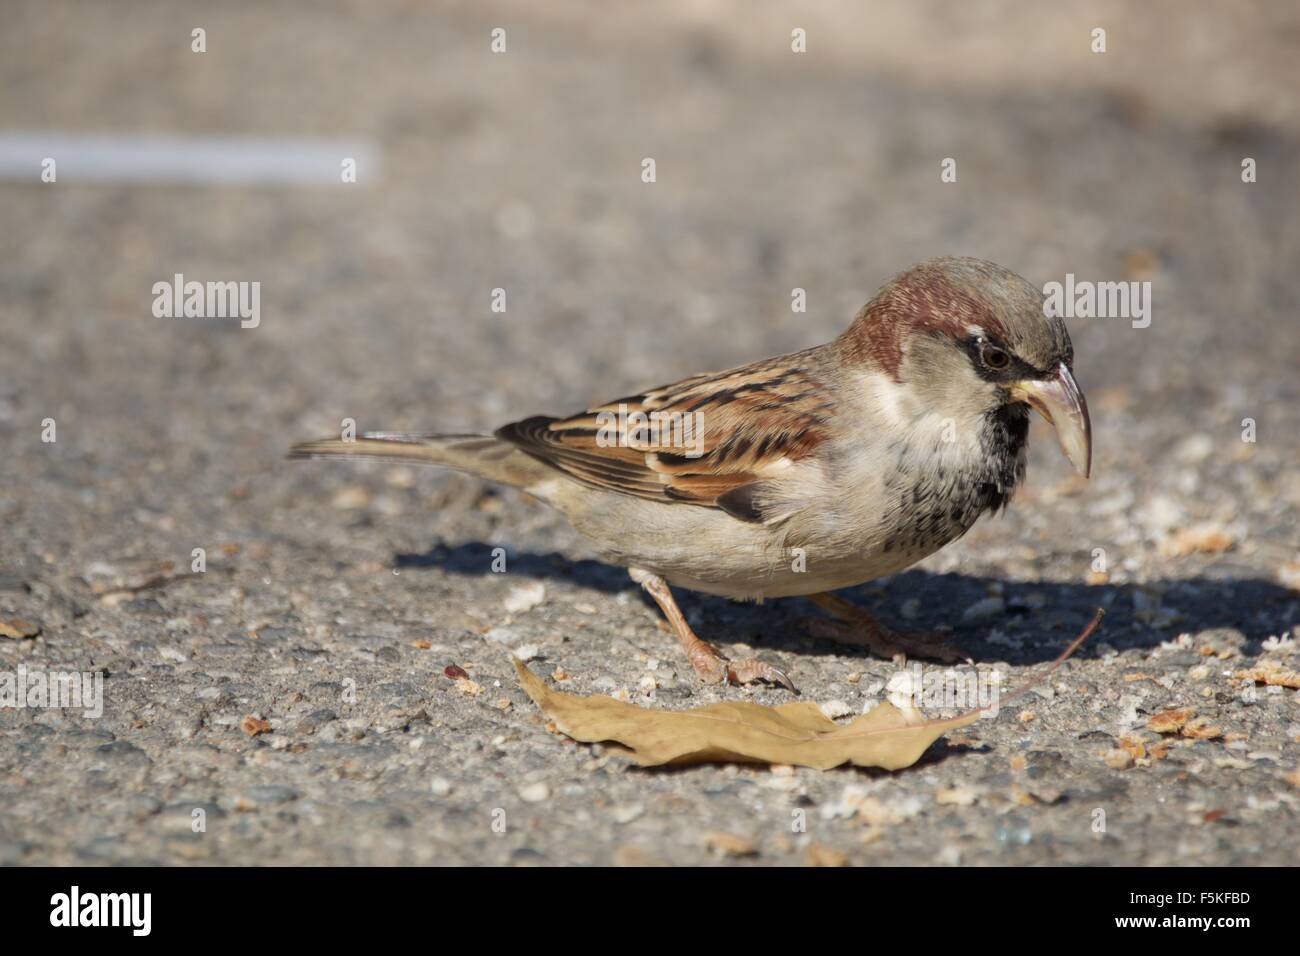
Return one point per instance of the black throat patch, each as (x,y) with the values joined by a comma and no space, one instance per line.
(929,508)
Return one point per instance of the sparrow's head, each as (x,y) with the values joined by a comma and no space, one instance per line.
(965,337)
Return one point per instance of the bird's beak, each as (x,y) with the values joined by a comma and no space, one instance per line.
(1059,400)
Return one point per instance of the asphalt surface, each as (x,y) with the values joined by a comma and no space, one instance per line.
(335,596)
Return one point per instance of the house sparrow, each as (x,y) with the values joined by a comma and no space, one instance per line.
(806,473)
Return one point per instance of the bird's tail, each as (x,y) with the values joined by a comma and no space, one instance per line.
(481,455)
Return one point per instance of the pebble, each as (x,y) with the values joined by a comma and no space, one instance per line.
(351,498)
(626,813)
(835,708)
(504,635)
(984,609)
(535,792)
(525,597)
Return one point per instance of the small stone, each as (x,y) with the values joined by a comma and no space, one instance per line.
(351,498)
(535,792)
(626,813)
(525,597)
(503,635)
(527,652)
(835,708)
(1195,448)
(401,477)
(440,786)
(1118,759)
(961,795)
(984,609)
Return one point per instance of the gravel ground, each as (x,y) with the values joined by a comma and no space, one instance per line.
(335,596)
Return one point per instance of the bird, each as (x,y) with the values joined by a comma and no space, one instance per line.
(800,475)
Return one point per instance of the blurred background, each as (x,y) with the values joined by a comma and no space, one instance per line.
(521,170)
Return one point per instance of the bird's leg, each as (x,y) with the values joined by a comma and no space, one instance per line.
(710,664)
(863,630)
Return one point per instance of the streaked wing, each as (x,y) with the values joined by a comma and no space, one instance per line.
(706,440)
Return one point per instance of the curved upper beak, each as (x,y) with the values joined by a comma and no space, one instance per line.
(1059,400)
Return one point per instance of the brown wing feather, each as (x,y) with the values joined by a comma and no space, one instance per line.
(717,433)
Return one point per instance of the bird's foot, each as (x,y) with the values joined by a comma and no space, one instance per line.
(713,667)
(710,664)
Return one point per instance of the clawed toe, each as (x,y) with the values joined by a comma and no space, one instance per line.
(713,668)
(752,670)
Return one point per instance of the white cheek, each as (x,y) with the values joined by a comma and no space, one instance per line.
(897,406)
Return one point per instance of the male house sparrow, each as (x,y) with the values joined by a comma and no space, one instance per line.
(806,473)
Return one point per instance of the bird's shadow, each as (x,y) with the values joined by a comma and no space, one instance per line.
(1033,622)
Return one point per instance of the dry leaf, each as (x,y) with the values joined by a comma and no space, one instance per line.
(819,854)
(1201,729)
(1205,538)
(1134,748)
(728,844)
(1170,721)
(255,726)
(797,733)
(17,628)
(467,686)
(1271,673)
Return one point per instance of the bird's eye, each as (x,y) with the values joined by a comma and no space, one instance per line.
(994,357)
